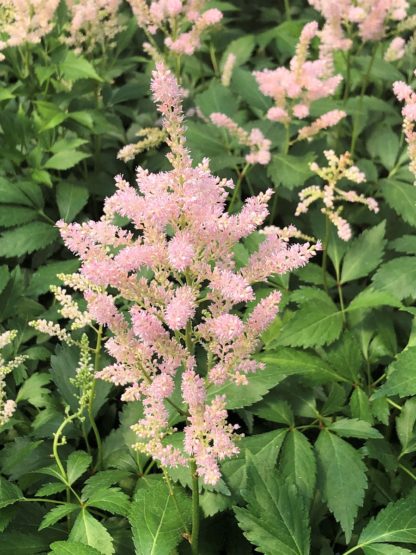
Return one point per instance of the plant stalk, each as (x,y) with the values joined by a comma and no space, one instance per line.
(195,508)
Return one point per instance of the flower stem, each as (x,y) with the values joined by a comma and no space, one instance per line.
(325,254)
(287,10)
(99,463)
(238,186)
(195,508)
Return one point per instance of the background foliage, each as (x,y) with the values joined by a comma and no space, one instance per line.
(327,462)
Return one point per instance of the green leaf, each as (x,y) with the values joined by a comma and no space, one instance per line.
(290,171)
(4,277)
(401,376)
(11,215)
(401,197)
(65,159)
(50,489)
(9,493)
(77,463)
(352,427)
(157,521)
(244,84)
(340,466)
(22,543)
(76,67)
(274,410)
(10,193)
(34,391)
(217,98)
(242,49)
(112,500)
(89,531)
(46,276)
(398,277)
(73,548)
(297,463)
(71,199)
(386,549)
(395,523)
(384,144)
(405,244)
(405,424)
(316,323)
(371,298)
(102,480)
(275,519)
(27,239)
(364,254)
(57,513)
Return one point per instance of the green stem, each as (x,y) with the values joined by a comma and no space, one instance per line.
(325,254)
(214,59)
(287,10)
(408,472)
(285,151)
(393,404)
(195,508)
(43,500)
(97,436)
(238,186)
(347,77)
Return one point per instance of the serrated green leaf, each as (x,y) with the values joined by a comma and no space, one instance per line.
(102,480)
(12,215)
(401,197)
(76,67)
(71,199)
(371,298)
(4,277)
(297,463)
(405,244)
(77,463)
(27,239)
(244,84)
(241,48)
(405,424)
(340,466)
(217,98)
(22,543)
(73,548)
(65,159)
(352,427)
(275,519)
(384,144)
(386,549)
(9,493)
(401,376)
(90,531)
(50,489)
(274,410)
(157,521)
(398,277)
(364,254)
(57,513)
(290,171)
(112,500)
(315,324)
(34,391)
(395,523)
(360,406)
(46,276)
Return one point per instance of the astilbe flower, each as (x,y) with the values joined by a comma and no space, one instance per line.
(182,21)
(371,19)
(406,94)
(338,168)
(25,21)
(227,70)
(93,23)
(191,293)
(152,138)
(294,89)
(255,140)
(7,406)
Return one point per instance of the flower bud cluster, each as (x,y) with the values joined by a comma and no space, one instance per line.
(255,140)
(406,94)
(294,89)
(338,168)
(7,406)
(181,21)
